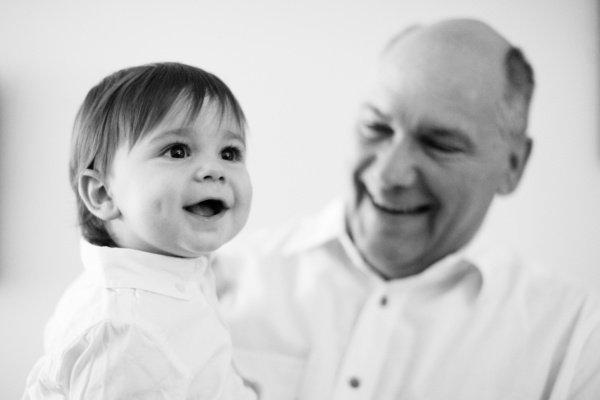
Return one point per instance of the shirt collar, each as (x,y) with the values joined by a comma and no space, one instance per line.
(480,255)
(489,257)
(112,267)
(324,227)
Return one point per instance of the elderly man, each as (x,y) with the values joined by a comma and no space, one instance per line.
(398,292)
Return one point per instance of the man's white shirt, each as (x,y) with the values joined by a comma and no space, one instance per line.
(310,320)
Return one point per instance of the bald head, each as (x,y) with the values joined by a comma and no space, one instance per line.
(461,32)
(473,58)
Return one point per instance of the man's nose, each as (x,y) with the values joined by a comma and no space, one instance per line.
(396,165)
(209,169)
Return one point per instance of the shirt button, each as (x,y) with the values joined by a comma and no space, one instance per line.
(354,382)
(180,287)
(383,301)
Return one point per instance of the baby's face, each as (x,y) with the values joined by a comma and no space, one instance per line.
(183,189)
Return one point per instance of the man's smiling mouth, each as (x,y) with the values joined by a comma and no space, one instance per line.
(399,210)
(207,208)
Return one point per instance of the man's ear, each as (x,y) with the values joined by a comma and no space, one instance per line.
(96,196)
(519,155)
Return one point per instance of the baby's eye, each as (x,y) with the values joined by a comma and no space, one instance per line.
(177,151)
(232,153)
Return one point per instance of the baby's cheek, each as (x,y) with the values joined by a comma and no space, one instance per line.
(164,211)
(244,186)
(243,212)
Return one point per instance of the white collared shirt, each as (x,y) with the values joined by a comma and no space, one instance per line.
(137,325)
(311,321)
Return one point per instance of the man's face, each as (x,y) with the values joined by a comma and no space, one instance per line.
(430,158)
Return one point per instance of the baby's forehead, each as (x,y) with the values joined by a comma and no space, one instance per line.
(216,116)
(184,119)
(216,110)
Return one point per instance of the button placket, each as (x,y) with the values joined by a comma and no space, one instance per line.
(383,301)
(366,351)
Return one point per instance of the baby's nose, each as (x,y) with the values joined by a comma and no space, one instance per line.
(210,170)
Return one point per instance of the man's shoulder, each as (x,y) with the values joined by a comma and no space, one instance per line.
(261,242)
(292,236)
(548,279)
(545,290)
(571,290)
(511,273)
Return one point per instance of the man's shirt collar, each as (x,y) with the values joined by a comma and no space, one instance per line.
(324,227)
(479,256)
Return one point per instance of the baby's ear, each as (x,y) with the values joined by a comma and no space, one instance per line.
(96,196)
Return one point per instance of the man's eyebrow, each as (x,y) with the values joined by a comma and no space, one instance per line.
(374,110)
(442,131)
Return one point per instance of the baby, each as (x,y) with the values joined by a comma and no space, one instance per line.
(158,167)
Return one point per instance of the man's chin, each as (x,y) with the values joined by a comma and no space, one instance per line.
(389,249)
(393,260)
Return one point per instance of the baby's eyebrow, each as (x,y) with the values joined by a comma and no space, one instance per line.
(235,135)
(160,136)
(185,133)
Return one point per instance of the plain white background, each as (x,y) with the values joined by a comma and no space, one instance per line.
(296,67)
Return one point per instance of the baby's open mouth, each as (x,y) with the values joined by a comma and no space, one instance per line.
(207,208)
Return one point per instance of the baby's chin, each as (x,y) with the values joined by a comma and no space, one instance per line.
(198,251)
(199,245)
(192,253)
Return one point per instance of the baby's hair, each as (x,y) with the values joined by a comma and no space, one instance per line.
(125,106)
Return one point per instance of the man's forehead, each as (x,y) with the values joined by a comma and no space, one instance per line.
(435,83)
(460,60)
(457,46)
(455,33)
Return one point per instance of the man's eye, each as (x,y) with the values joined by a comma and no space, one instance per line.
(177,151)
(375,130)
(442,147)
(232,153)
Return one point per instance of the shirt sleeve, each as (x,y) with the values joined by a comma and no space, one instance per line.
(586,381)
(109,362)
